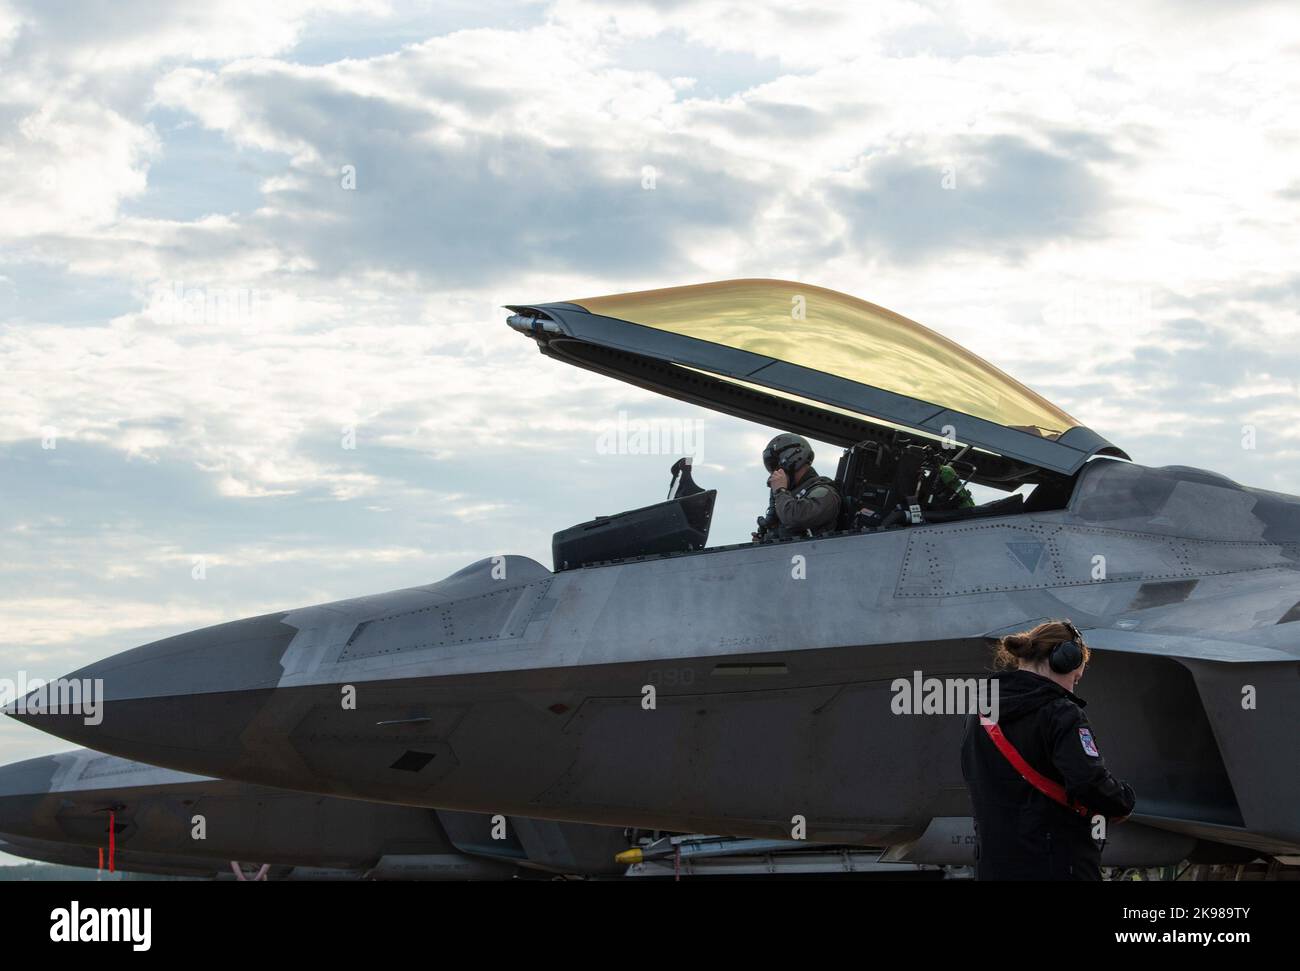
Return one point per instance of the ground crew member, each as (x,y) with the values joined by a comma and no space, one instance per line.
(1037,779)
(803,503)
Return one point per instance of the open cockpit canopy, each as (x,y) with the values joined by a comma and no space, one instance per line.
(817,362)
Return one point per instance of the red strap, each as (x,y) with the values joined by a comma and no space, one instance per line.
(1052,790)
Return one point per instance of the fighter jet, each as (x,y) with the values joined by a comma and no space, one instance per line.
(650,679)
(116,814)
(164,864)
(98,811)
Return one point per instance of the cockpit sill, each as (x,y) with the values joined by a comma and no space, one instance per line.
(1062,501)
(787,541)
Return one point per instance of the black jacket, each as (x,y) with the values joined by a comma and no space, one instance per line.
(1021,834)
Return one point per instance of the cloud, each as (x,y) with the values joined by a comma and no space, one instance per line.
(998,193)
(104,36)
(461,201)
(73,73)
(70,165)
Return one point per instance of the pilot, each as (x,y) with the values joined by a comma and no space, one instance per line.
(803,503)
(1037,779)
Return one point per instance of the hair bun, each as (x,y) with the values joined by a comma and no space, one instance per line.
(1018,644)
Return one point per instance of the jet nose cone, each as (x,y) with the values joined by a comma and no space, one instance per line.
(236,656)
(168,701)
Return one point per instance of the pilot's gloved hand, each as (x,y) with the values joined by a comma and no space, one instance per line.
(778,480)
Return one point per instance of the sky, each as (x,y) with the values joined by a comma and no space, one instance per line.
(253,258)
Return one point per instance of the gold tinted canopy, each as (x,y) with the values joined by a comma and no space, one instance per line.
(839,335)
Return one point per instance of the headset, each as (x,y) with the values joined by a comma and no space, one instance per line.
(1067,655)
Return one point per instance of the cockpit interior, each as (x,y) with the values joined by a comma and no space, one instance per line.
(883,485)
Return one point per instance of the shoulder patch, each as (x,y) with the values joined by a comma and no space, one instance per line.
(1089,746)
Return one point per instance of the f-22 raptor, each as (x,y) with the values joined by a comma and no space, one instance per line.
(509,687)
